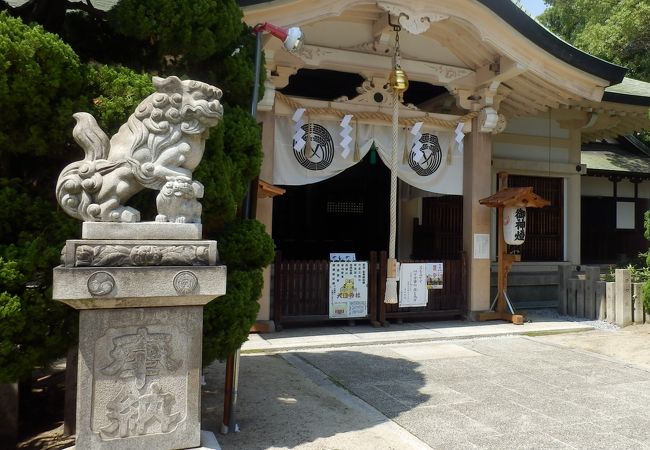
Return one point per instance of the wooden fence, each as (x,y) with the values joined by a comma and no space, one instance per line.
(583,294)
(446,302)
(301,292)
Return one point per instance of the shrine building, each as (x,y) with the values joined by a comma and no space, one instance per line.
(489,90)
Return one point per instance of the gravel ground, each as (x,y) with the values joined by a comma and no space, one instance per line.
(553,314)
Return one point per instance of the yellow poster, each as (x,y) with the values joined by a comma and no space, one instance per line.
(348,289)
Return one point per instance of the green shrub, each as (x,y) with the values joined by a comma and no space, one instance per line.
(228,319)
(34,328)
(245,247)
(40,88)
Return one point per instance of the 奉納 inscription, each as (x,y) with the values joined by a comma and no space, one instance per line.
(141,355)
(131,413)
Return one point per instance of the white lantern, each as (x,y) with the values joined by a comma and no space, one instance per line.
(514,225)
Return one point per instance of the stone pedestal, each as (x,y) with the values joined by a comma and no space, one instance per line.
(140,336)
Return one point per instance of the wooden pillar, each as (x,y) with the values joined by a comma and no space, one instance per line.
(573,192)
(477,184)
(264,213)
(572,221)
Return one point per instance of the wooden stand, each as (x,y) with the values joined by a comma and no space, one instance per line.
(501,308)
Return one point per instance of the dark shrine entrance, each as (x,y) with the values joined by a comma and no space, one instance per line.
(348,213)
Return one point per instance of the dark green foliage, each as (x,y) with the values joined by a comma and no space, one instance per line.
(233,70)
(615,30)
(34,328)
(116,93)
(645,296)
(645,291)
(246,245)
(31,230)
(227,320)
(94,39)
(40,87)
(183,30)
(232,158)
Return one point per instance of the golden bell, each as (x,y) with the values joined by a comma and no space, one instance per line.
(398,80)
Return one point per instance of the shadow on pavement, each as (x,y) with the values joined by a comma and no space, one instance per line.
(281,405)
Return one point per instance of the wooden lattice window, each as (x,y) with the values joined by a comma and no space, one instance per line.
(440,235)
(545,226)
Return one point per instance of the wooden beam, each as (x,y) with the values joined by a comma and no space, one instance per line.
(314,56)
(493,74)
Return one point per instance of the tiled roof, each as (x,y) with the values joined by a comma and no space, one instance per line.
(615,161)
(629,91)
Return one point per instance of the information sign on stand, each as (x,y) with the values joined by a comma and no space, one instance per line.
(348,290)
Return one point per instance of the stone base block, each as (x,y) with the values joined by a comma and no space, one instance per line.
(129,287)
(208,442)
(139,378)
(141,230)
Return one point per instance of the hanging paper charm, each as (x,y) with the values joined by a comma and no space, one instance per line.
(345,135)
(514,225)
(416,148)
(459,136)
(299,135)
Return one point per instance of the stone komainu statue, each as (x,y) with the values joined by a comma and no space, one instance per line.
(158,148)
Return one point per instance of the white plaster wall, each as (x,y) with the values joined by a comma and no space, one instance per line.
(602,187)
(536,126)
(625,189)
(596,187)
(525,152)
(644,189)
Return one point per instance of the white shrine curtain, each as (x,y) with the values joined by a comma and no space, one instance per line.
(438,168)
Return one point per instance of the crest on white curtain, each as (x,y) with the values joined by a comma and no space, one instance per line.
(432,165)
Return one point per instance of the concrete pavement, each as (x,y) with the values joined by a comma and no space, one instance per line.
(343,335)
(440,385)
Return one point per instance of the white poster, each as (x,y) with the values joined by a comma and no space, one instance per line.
(481,246)
(427,161)
(415,280)
(348,289)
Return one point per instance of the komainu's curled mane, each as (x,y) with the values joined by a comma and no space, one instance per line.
(162,142)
